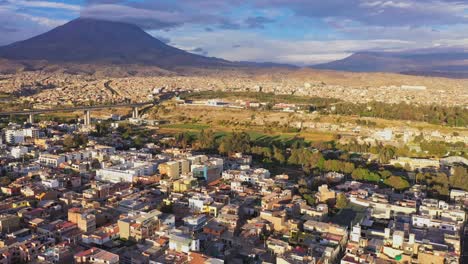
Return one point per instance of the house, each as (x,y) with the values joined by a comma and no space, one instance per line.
(96,255)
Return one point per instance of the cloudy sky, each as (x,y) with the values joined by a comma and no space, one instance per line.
(300,32)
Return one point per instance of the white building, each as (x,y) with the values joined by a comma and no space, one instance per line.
(17,136)
(183,243)
(13,136)
(126,172)
(18,152)
(50,183)
(50,160)
(198,202)
(384,135)
(31,132)
(427,222)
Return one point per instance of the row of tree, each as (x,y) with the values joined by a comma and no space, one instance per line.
(434,114)
(387,152)
(439,184)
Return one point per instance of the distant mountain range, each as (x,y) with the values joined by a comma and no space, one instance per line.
(85,40)
(87,45)
(89,41)
(431,62)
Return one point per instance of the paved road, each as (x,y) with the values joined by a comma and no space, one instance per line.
(72,109)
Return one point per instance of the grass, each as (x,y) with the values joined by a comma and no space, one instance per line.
(255,134)
(187,126)
(261,97)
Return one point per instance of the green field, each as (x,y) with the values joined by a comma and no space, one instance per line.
(255,133)
(188,126)
(261,97)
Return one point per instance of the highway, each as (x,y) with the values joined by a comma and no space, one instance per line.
(73,109)
(162,97)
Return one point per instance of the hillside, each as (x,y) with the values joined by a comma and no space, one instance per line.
(428,62)
(106,42)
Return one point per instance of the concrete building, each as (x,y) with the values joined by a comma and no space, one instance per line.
(384,135)
(96,255)
(139,227)
(85,221)
(9,223)
(127,172)
(174,169)
(199,203)
(183,185)
(13,136)
(18,152)
(50,160)
(209,171)
(324,194)
(18,136)
(183,243)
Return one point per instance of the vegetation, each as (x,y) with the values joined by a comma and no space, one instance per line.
(433,114)
(315,102)
(74,141)
(292,153)
(437,183)
(341,201)
(365,175)
(459,178)
(428,148)
(397,183)
(441,115)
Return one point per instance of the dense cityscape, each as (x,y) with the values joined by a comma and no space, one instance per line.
(233,131)
(108,189)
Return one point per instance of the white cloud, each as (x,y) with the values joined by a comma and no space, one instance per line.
(44,21)
(249,46)
(46,4)
(15,26)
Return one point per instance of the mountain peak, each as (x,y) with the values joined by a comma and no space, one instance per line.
(432,62)
(88,40)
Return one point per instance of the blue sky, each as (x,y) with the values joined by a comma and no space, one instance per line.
(288,31)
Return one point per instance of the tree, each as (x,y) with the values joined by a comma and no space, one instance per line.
(138,142)
(397,182)
(183,139)
(102,129)
(206,140)
(295,157)
(420,177)
(75,141)
(341,201)
(316,160)
(459,178)
(95,164)
(385,174)
(235,142)
(278,155)
(386,153)
(68,142)
(309,198)
(365,174)
(4,181)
